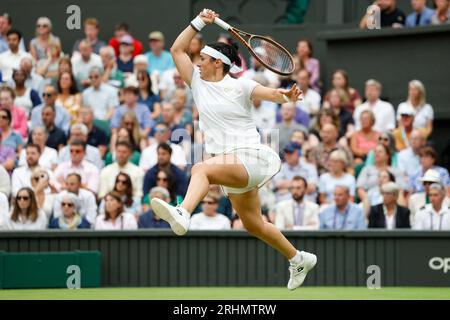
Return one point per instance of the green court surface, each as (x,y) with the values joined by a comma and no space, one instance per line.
(231,293)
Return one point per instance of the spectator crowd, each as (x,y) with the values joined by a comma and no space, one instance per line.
(88,137)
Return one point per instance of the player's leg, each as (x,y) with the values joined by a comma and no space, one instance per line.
(248,208)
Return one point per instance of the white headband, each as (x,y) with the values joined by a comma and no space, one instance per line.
(219,55)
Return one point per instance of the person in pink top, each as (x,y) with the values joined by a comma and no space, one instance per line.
(366,139)
(19,116)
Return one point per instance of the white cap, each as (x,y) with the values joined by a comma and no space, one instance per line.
(431,175)
(140,58)
(407,109)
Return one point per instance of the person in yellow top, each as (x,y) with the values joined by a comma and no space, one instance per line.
(402,134)
(68,95)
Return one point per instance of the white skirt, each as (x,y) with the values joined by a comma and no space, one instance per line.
(261,163)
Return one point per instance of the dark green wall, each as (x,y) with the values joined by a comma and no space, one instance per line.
(159,258)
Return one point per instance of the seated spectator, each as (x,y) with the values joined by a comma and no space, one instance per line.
(61,117)
(310,102)
(168,117)
(7,153)
(64,65)
(124,187)
(49,68)
(109,173)
(423,112)
(120,30)
(389,215)
(434,216)
(428,160)
(44,37)
(10,138)
(325,116)
(387,139)
(383,111)
(304,60)
(164,152)
(143,115)
(159,59)
(79,132)
(40,183)
(149,154)
(419,199)
(84,61)
(301,138)
(337,99)
(182,114)
(337,163)
(91,31)
(25,214)
(289,123)
(291,167)
(146,94)
(224,204)
(56,137)
(409,158)
(89,173)
(421,16)
(96,136)
(19,116)
(4,210)
(111,75)
(368,177)
(318,155)
(70,218)
(151,220)
(171,81)
(209,218)
(115,216)
(125,58)
(343,214)
(257,67)
(49,156)
(33,79)
(10,59)
(123,135)
(297,213)
(402,133)
(442,12)
(25,98)
(365,139)
(5,181)
(390,15)
(101,97)
(68,95)
(340,81)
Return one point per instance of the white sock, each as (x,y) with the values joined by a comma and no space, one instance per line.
(297,259)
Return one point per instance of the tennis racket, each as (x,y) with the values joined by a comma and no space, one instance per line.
(267,51)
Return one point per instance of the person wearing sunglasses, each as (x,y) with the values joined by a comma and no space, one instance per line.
(70,218)
(124,187)
(115,217)
(25,213)
(388,140)
(146,94)
(44,37)
(209,218)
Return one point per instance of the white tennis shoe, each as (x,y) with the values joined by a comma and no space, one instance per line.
(177,217)
(299,271)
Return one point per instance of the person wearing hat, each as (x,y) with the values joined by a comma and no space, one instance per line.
(436,214)
(158,59)
(419,199)
(293,166)
(120,30)
(389,214)
(125,61)
(402,134)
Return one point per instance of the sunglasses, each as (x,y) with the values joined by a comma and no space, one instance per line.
(383,139)
(36,178)
(209,202)
(129,123)
(25,198)
(161,179)
(121,181)
(75,151)
(47,94)
(67,204)
(4,117)
(94,77)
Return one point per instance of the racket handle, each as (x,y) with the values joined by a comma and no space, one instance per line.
(222,24)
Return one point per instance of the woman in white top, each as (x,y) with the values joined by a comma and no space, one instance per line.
(424,115)
(25,213)
(239,162)
(115,217)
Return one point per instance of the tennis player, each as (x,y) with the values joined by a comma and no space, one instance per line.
(240,163)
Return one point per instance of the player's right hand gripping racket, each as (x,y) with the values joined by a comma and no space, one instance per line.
(267,51)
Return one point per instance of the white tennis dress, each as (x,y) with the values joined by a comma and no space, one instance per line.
(225,119)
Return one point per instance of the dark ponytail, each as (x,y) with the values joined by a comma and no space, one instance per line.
(231,51)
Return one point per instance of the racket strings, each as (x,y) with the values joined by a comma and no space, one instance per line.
(271,55)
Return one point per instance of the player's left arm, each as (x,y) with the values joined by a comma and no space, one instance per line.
(277,95)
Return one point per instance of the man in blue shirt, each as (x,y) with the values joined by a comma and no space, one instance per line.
(421,15)
(158,59)
(343,215)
